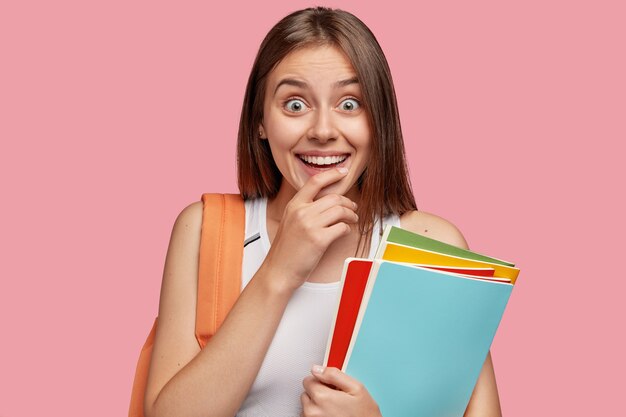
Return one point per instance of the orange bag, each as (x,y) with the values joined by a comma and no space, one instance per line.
(219,280)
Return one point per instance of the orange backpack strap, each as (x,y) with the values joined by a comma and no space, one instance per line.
(141,375)
(221,255)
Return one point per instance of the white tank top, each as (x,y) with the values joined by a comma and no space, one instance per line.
(301,337)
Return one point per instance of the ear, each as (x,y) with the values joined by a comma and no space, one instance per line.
(262,134)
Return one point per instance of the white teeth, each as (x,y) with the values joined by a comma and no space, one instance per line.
(323,160)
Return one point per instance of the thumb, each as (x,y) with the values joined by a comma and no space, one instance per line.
(336,378)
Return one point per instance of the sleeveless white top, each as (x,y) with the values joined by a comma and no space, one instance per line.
(301,337)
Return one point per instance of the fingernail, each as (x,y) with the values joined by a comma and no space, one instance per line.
(317,369)
(343,170)
(355,205)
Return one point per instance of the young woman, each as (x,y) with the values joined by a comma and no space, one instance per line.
(322,169)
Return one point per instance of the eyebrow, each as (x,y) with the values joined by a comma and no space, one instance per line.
(302,84)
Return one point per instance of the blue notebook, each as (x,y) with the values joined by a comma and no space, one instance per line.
(422,338)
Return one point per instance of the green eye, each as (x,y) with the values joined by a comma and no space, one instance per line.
(350,104)
(294,105)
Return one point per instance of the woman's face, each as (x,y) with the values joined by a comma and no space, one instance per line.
(314,120)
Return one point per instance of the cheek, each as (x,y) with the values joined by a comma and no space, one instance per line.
(284,128)
(363,145)
(359,133)
(278,137)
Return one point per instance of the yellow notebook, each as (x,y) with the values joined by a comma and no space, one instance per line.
(401,253)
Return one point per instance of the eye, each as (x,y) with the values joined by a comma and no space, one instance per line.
(294,105)
(350,104)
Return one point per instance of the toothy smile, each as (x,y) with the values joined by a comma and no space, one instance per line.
(323,160)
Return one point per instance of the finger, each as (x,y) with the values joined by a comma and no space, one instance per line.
(315,184)
(308,406)
(332,200)
(333,376)
(337,230)
(316,390)
(336,215)
(308,382)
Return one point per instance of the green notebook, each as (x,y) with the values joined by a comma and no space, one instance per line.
(404,237)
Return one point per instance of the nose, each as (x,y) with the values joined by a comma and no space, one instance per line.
(323,126)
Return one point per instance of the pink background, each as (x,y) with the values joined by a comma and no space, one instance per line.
(115,115)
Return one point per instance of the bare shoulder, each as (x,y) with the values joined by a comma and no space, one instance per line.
(180,275)
(433,226)
(190,217)
(181,262)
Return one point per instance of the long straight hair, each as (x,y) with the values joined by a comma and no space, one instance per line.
(384,185)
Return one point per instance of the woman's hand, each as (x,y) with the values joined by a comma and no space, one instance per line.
(348,398)
(308,227)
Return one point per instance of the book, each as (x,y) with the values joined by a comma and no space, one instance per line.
(477,272)
(353,282)
(352,287)
(404,237)
(421,337)
(415,326)
(401,253)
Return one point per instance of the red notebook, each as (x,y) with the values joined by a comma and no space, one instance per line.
(354,281)
(476,272)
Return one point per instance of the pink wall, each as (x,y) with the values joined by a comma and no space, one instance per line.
(113,117)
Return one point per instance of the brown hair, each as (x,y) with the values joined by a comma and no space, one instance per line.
(384,185)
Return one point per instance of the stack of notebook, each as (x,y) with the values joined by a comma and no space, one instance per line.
(415,324)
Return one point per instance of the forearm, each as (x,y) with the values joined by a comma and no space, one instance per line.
(217,380)
(485,401)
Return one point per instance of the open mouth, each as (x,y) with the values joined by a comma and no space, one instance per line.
(323,162)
